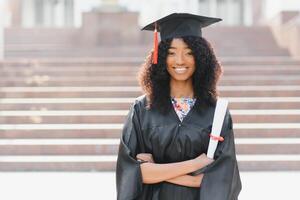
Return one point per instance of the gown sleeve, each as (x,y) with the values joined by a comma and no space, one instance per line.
(128,172)
(221,180)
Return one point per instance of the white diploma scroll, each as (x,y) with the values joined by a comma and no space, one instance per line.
(218,120)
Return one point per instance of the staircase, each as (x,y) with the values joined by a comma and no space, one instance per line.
(47,43)
(64,110)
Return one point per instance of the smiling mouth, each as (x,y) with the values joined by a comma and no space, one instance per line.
(180,70)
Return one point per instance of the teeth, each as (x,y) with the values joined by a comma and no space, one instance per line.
(180,70)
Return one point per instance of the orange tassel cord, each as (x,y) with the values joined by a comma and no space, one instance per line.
(218,138)
(155,53)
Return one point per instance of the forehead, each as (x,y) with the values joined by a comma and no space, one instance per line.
(178,43)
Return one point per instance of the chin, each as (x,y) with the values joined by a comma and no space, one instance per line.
(181,78)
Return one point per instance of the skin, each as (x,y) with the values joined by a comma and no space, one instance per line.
(181,66)
(180,56)
(184,180)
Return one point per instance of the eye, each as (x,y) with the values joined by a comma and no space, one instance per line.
(189,53)
(171,53)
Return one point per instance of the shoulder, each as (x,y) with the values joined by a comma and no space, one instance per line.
(139,105)
(141,99)
(140,102)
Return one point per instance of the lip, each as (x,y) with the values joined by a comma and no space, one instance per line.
(180,70)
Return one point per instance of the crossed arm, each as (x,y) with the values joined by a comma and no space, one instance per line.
(173,172)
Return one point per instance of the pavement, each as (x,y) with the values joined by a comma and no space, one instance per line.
(101,185)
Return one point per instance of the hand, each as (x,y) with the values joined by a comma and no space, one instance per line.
(198,179)
(203,160)
(199,176)
(145,157)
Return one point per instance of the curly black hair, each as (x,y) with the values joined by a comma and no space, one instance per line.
(155,79)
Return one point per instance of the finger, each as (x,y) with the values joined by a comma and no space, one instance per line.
(140,157)
(143,157)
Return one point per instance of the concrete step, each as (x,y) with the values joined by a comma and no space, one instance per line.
(233,91)
(107,163)
(137,61)
(136,88)
(133,94)
(47,42)
(69,106)
(120,119)
(63,133)
(86,185)
(63,126)
(118,116)
(62,71)
(126,106)
(242,130)
(94,81)
(226,81)
(20,72)
(69,81)
(133,64)
(58,166)
(113,149)
(125,103)
(20,147)
(93,61)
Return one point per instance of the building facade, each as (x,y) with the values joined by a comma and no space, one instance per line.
(41,13)
(68,13)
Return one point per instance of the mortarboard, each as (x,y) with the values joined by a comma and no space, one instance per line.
(178,25)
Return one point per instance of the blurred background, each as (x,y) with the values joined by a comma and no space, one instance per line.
(68,77)
(107,28)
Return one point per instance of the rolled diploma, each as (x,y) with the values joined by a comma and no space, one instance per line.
(218,120)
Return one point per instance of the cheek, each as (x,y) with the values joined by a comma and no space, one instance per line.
(193,69)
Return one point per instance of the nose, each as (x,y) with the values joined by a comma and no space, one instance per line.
(179,59)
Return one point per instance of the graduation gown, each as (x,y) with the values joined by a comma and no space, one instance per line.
(170,140)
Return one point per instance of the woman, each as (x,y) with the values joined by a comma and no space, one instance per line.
(162,154)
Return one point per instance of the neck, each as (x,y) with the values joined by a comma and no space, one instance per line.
(181,88)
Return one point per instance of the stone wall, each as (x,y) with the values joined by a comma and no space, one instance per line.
(116,28)
(286,30)
(98,29)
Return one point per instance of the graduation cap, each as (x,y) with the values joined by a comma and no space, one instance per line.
(178,25)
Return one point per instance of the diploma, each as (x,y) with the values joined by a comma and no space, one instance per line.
(218,120)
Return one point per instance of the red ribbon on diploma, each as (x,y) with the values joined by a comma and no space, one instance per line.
(218,138)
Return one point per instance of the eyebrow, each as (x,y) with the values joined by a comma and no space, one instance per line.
(176,48)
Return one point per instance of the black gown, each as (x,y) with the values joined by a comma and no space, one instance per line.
(170,140)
